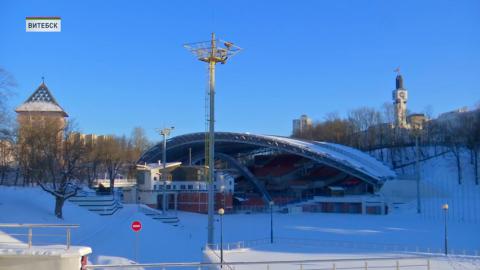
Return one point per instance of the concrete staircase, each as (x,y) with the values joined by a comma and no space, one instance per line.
(158,215)
(104,205)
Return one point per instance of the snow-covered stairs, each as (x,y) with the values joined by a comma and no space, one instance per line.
(158,215)
(104,205)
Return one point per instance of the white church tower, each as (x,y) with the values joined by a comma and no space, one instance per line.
(400,96)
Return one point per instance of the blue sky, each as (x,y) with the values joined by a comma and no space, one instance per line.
(120,64)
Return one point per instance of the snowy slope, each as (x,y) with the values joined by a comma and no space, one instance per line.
(439,185)
(111,238)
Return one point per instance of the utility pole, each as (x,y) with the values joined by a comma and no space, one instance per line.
(221,212)
(271,203)
(212,52)
(445,210)
(417,166)
(165,132)
(190,156)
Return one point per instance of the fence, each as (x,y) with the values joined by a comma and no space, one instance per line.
(396,263)
(378,247)
(463,200)
(8,241)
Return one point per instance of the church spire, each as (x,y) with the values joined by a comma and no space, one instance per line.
(399,79)
(399,82)
(400,97)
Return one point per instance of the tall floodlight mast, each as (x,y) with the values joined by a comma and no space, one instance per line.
(212,52)
(165,132)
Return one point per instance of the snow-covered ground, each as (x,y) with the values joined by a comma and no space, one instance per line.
(439,185)
(111,237)
(294,257)
(297,236)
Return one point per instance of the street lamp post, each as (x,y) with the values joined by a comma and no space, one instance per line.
(417,167)
(221,211)
(222,189)
(445,210)
(271,203)
(165,132)
(212,52)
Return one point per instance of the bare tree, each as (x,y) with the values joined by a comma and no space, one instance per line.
(471,127)
(454,139)
(91,163)
(476,146)
(388,112)
(7,148)
(114,156)
(51,158)
(7,83)
(139,140)
(365,122)
(139,143)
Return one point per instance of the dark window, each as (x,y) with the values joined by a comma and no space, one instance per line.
(140,178)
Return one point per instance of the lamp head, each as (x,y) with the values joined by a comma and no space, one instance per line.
(445,207)
(221,211)
(228,44)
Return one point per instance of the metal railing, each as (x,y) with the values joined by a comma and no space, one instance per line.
(396,263)
(370,246)
(29,234)
(219,258)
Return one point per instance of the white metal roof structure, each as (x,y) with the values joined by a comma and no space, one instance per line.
(343,158)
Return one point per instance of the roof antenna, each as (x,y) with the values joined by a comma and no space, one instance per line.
(43,79)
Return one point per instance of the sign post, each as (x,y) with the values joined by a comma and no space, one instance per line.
(136,227)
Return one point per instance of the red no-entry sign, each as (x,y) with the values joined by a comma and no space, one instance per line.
(136,226)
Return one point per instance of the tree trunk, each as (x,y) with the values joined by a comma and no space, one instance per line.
(17,174)
(459,167)
(475,161)
(3,177)
(59,201)
(92,175)
(112,184)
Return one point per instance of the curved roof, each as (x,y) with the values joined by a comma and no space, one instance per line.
(344,158)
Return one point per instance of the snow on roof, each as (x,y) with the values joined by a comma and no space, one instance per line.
(39,106)
(344,154)
(335,188)
(159,165)
(50,250)
(41,100)
(12,246)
